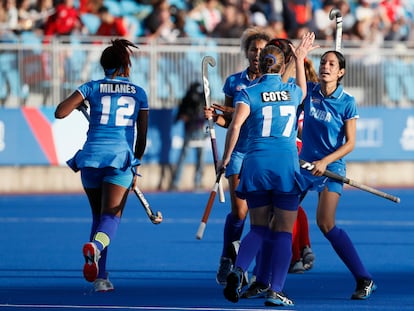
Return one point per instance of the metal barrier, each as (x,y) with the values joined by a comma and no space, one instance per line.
(36,72)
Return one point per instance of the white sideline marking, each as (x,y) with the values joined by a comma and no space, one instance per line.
(70,220)
(79,307)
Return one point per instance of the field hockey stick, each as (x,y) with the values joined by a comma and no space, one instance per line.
(209,206)
(208,60)
(335,13)
(156,218)
(309,166)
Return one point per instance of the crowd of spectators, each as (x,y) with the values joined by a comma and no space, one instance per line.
(368,20)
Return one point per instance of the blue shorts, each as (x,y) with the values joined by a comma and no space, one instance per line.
(285,201)
(94,177)
(319,183)
(235,164)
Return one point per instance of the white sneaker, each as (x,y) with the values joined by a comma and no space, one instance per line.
(103,285)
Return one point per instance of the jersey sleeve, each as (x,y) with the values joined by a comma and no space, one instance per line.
(142,98)
(85,89)
(351,110)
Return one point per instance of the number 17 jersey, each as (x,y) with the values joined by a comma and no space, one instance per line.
(271,162)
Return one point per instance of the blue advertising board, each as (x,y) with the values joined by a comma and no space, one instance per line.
(31,136)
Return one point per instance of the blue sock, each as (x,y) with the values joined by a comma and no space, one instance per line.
(281,244)
(102,264)
(249,246)
(233,229)
(263,264)
(343,246)
(108,225)
(95,223)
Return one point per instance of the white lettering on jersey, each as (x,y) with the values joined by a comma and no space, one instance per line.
(275,96)
(117,88)
(320,114)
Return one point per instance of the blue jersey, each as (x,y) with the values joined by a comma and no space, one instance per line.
(114,106)
(324,121)
(232,86)
(271,162)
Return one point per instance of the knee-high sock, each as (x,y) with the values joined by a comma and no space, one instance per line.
(249,246)
(108,225)
(95,223)
(263,262)
(281,254)
(233,229)
(102,264)
(343,246)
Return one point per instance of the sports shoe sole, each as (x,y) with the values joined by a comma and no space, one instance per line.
(90,269)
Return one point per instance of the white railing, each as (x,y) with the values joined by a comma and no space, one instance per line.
(35,73)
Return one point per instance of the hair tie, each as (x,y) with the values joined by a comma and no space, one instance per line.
(110,71)
(272,57)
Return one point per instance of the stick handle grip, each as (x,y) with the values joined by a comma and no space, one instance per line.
(200,231)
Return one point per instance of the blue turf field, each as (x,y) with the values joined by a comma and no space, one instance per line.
(165,268)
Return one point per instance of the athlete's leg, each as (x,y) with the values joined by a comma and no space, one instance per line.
(199,168)
(296,235)
(233,227)
(95,198)
(339,239)
(303,231)
(180,164)
(281,240)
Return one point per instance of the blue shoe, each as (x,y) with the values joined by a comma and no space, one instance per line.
(364,289)
(234,285)
(277,299)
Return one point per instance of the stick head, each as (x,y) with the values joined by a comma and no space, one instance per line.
(157,218)
(335,13)
(208,60)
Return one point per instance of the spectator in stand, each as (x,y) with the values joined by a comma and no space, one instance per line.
(159,23)
(324,26)
(43,9)
(302,9)
(11,17)
(276,27)
(65,21)
(90,6)
(208,14)
(364,15)
(111,25)
(25,19)
(395,13)
(232,24)
(348,19)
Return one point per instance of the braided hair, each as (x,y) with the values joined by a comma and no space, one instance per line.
(115,59)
